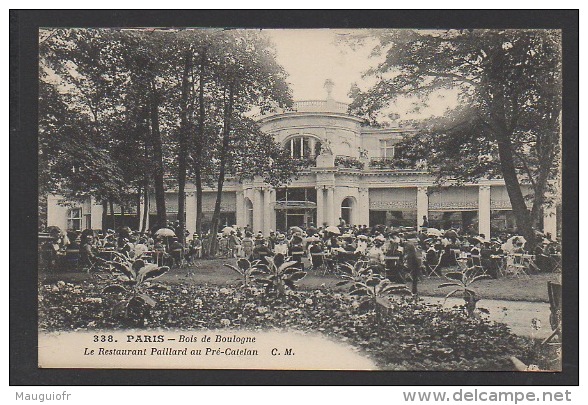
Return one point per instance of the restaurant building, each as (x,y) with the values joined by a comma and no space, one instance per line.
(355,175)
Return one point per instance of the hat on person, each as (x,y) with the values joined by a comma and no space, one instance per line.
(281,237)
(259,237)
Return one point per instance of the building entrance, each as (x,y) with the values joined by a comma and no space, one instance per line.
(295,207)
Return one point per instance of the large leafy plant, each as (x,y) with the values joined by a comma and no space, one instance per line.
(133,274)
(280,276)
(247,270)
(463,281)
(369,285)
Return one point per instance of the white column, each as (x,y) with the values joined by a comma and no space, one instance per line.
(330,210)
(267,209)
(550,221)
(96,214)
(240,211)
(257,210)
(363,207)
(320,206)
(191,212)
(484,211)
(422,205)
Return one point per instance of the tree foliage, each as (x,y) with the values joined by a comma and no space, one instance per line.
(127,112)
(507,121)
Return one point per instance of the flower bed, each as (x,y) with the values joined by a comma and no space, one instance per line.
(413,336)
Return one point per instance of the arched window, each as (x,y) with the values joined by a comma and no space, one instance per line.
(303,147)
(346,210)
(249,212)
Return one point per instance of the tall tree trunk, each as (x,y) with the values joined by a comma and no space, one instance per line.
(221,176)
(199,141)
(546,155)
(183,147)
(198,183)
(138,201)
(513,187)
(158,171)
(507,163)
(145,209)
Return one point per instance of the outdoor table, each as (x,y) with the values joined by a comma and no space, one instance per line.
(499,261)
(107,254)
(529,261)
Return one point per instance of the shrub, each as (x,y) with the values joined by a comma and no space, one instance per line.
(349,162)
(463,280)
(280,276)
(133,302)
(247,270)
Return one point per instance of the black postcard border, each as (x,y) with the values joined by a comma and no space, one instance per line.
(24,26)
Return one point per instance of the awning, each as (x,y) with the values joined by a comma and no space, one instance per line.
(285,205)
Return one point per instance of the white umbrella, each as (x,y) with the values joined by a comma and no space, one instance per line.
(517,238)
(166,232)
(509,245)
(296,229)
(434,232)
(333,229)
(227,230)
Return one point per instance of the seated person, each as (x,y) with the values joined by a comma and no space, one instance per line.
(297,250)
(88,256)
(176,250)
(261,250)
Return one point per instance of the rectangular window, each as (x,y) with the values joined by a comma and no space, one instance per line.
(74,219)
(387,148)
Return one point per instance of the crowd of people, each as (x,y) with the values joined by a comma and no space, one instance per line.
(394,249)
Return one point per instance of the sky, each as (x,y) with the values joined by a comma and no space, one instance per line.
(310,56)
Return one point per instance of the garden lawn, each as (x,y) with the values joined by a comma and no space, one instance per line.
(533,289)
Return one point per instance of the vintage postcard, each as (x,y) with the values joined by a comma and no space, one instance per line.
(300,199)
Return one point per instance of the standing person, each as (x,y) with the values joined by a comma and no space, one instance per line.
(247,246)
(197,246)
(425,222)
(233,242)
(362,245)
(413,264)
(281,247)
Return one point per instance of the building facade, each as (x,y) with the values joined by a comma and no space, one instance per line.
(354,175)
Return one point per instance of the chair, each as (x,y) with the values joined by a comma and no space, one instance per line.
(434,267)
(554,291)
(475,261)
(318,262)
(516,266)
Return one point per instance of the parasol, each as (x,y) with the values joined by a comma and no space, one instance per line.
(165,232)
(295,229)
(433,232)
(509,245)
(333,229)
(227,230)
